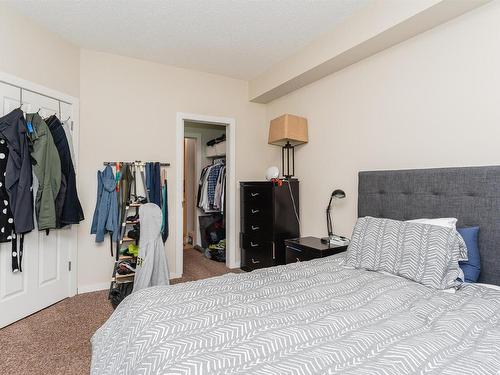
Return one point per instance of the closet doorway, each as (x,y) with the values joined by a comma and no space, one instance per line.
(205,221)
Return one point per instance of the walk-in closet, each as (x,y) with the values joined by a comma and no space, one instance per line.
(204,197)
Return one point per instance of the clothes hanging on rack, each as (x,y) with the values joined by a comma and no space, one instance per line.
(18,172)
(153,182)
(68,126)
(211,188)
(105,218)
(219,193)
(6,218)
(47,169)
(27,147)
(18,182)
(151,269)
(164,207)
(72,212)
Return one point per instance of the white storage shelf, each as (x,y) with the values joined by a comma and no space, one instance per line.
(216,150)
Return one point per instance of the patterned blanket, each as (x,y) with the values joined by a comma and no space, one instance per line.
(314,317)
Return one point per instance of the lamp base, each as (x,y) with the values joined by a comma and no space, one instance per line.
(288,161)
(335,240)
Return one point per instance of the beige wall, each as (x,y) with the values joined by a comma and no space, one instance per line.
(431,101)
(128,112)
(31,52)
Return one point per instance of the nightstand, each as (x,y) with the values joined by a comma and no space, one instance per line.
(307,248)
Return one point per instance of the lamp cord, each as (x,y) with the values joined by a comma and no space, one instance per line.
(294,205)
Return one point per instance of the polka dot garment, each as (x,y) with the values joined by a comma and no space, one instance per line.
(6,217)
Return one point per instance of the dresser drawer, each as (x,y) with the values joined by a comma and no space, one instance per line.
(253,259)
(255,243)
(256,196)
(295,254)
(257,228)
(253,213)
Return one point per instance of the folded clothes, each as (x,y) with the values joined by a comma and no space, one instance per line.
(138,199)
(135,233)
(130,250)
(125,267)
(214,141)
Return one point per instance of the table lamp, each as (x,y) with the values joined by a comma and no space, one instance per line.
(288,131)
(332,238)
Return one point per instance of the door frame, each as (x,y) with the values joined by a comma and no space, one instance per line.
(197,137)
(230,124)
(75,116)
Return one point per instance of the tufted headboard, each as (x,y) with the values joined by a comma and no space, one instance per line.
(471,194)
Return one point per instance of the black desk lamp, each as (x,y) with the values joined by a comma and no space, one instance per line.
(333,239)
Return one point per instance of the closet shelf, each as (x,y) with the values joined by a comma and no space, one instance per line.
(118,276)
(127,239)
(216,156)
(124,257)
(122,281)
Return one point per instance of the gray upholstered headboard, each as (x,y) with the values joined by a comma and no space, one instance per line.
(471,194)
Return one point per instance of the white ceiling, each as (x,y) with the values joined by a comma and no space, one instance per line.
(236,38)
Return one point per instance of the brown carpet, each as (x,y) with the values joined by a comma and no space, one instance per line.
(56,340)
(197,267)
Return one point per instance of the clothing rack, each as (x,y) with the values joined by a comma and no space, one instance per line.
(125,281)
(137,163)
(21,89)
(34,92)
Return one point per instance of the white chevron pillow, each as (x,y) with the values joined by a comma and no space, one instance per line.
(427,254)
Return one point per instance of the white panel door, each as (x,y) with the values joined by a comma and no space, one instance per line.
(46,276)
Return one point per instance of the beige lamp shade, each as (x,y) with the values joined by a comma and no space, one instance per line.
(288,128)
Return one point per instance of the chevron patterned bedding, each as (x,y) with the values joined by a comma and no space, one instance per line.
(313,317)
(427,254)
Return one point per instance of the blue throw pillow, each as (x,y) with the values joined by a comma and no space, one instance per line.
(471,267)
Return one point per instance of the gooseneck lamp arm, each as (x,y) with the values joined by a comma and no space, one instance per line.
(337,194)
(329,225)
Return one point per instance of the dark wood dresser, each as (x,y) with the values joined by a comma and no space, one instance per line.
(267,219)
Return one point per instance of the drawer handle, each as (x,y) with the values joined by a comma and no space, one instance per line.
(255,211)
(298,260)
(254,194)
(295,249)
(255,261)
(253,244)
(255,228)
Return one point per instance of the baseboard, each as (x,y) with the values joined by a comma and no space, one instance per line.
(175,276)
(92,288)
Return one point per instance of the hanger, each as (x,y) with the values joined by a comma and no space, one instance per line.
(163,175)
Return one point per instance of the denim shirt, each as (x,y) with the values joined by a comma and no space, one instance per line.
(106,209)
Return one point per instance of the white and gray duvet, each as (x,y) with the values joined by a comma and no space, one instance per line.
(306,318)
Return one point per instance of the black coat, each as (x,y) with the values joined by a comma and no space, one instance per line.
(71,211)
(18,174)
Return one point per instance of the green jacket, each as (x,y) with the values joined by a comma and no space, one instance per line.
(47,169)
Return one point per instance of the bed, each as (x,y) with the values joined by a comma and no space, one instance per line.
(320,317)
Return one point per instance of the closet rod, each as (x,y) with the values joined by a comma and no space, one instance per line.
(134,163)
(35,92)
